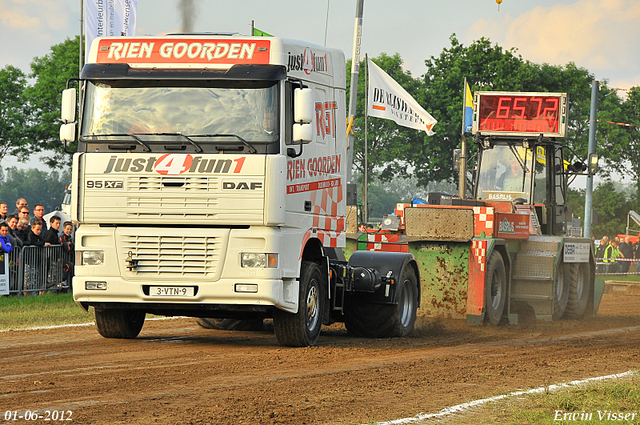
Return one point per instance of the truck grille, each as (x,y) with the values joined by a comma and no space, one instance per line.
(174,255)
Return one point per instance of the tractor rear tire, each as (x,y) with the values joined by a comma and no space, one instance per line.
(302,329)
(495,289)
(579,291)
(231,324)
(119,323)
(371,320)
(561,295)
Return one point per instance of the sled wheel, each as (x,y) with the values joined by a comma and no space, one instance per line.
(495,289)
(578,291)
(230,324)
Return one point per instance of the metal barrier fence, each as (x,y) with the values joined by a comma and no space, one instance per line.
(619,267)
(34,269)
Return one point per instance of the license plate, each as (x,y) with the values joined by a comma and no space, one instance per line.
(172,291)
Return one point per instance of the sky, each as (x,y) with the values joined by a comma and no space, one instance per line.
(602,36)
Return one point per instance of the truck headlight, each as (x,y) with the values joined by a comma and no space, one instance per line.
(90,258)
(249,259)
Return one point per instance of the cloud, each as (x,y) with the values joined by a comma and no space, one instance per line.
(600,35)
(33,15)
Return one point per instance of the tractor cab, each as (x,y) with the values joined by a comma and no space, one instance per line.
(519,174)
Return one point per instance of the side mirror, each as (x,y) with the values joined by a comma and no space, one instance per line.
(593,163)
(69,105)
(68,133)
(302,133)
(303,106)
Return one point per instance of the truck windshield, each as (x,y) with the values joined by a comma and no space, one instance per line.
(503,170)
(191,112)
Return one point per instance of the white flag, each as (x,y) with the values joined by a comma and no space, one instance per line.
(387,99)
(109,18)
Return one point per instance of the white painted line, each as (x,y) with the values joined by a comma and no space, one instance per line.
(466,406)
(75,325)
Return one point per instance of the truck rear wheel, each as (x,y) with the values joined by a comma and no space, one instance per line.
(495,289)
(561,295)
(302,329)
(578,291)
(119,323)
(231,324)
(386,320)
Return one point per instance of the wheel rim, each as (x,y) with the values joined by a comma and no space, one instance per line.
(407,304)
(496,290)
(313,316)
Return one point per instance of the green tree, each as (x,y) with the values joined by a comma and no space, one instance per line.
(51,73)
(14,135)
(36,186)
(489,67)
(613,207)
(629,152)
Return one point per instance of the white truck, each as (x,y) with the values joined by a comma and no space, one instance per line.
(209,181)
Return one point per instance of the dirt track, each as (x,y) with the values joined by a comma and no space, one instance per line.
(176,372)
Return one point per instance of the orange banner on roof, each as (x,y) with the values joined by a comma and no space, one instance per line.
(183,51)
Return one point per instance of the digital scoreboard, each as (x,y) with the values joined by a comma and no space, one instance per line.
(520,114)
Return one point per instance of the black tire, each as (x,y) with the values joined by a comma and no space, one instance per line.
(495,291)
(231,324)
(119,323)
(302,329)
(579,291)
(371,320)
(561,295)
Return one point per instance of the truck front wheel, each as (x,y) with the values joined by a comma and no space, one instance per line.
(302,329)
(119,323)
(386,320)
(495,289)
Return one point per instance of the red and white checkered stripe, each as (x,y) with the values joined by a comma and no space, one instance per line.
(483,218)
(479,251)
(325,214)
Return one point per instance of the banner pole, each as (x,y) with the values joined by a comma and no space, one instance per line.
(365,186)
(462,167)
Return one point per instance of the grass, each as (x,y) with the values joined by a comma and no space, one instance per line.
(594,403)
(41,310)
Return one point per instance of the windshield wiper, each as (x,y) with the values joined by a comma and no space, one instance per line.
(244,142)
(107,136)
(187,138)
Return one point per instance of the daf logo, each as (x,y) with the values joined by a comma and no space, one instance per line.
(241,186)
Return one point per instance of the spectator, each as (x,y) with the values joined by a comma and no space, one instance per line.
(51,236)
(636,255)
(362,227)
(22,229)
(5,243)
(19,204)
(35,234)
(3,211)
(68,248)
(626,251)
(38,212)
(24,213)
(608,258)
(16,240)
